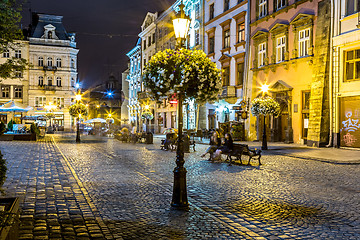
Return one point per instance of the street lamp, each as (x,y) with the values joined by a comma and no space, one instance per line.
(179,198)
(50,107)
(78,99)
(264,90)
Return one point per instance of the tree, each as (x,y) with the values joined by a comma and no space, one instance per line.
(10,33)
(77,110)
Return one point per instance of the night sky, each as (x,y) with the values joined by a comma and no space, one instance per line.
(105,31)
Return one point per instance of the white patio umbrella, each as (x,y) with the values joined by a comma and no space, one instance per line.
(96,120)
(13,106)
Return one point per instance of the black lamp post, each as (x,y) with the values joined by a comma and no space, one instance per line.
(78,99)
(264,89)
(179,198)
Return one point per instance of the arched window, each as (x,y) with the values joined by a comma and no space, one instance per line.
(50,81)
(58,62)
(41,61)
(49,61)
(58,81)
(41,81)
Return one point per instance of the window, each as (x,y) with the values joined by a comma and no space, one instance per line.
(280,4)
(241,32)
(50,35)
(72,63)
(58,81)
(227,38)
(40,61)
(197,11)
(18,74)
(261,54)
(226,5)
(40,101)
(226,76)
(17,53)
(17,92)
(153,38)
(211,45)
(240,74)
(58,62)
(211,12)
(144,44)
(352,6)
(240,1)
(49,61)
(280,49)
(306,100)
(73,82)
(197,37)
(352,65)
(5,91)
(41,81)
(6,53)
(262,8)
(59,101)
(49,80)
(149,41)
(304,42)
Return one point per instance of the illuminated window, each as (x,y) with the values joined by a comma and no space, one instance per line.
(226,76)
(227,38)
(5,91)
(261,54)
(304,42)
(280,49)
(241,32)
(352,65)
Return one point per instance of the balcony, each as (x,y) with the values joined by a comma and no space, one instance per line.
(50,68)
(229,94)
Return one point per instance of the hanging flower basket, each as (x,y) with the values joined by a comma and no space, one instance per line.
(265,106)
(188,71)
(147,116)
(78,109)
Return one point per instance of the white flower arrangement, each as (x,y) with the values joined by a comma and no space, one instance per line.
(265,106)
(188,71)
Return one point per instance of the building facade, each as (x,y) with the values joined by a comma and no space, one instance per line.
(53,71)
(289,51)
(135,85)
(226,43)
(15,88)
(344,89)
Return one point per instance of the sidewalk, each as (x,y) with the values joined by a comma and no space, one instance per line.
(330,155)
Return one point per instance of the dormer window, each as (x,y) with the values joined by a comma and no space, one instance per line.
(49,32)
(50,35)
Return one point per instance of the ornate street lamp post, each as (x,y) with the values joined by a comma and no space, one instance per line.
(78,99)
(179,198)
(264,90)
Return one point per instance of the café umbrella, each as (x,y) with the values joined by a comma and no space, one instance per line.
(13,106)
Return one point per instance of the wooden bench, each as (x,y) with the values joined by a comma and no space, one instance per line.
(243,149)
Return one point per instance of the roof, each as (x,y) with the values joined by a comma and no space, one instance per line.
(42,20)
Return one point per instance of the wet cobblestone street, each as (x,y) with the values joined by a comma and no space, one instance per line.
(105,189)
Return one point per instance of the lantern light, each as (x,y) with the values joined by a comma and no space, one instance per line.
(181,23)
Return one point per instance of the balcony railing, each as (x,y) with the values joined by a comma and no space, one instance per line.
(50,68)
(228,92)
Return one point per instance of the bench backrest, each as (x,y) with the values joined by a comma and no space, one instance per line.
(238,147)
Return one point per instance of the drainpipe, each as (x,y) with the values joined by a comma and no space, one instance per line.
(330,144)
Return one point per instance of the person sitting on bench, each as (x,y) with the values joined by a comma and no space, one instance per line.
(215,143)
(226,147)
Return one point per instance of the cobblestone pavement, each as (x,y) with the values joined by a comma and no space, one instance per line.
(123,191)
